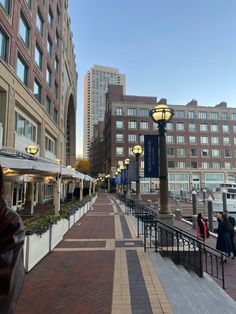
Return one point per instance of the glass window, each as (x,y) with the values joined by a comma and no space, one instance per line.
(49,145)
(192,127)
(214,115)
(37,90)
(39,22)
(203,127)
(3,45)
(169,139)
(205,152)
(227,153)
(50,18)
(24,30)
(29,3)
(55,115)
(24,127)
(49,76)
(180,151)
(143,125)
(215,153)
(48,105)
(192,139)
(144,112)
(6,5)
(132,124)
(119,137)
(169,125)
(227,165)
(119,111)
(38,57)
(49,46)
(132,138)
(225,128)
(214,140)
(179,126)
(214,128)
(234,128)
(132,112)
(22,70)
(56,90)
(193,152)
(181,164)
(141,138)
(191,114)
(119,124)
(223,116)
(170,151)
(233,116)
(202,115)
(171,164)
(180,139)
(179,114)
(194,164)
(119,151)
(205,165)
(204,140)
(226,140)
(216,165)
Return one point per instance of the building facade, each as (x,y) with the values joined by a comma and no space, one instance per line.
(96,84)
(38,80)
(96,159)
(200,140)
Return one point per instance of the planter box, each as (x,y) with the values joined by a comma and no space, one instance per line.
(71,221)
(35,248)
(77,215)
(56,234)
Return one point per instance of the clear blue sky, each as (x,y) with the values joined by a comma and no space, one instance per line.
(175,49)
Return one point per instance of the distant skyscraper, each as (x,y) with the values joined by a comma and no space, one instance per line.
(96,84)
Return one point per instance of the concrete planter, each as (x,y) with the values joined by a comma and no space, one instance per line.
(56,234)
(35,248)
(71,221)
(77,215)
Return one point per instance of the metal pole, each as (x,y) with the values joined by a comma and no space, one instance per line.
(194,202)
(137,178)
(204,196)
(224,199)
(210,212)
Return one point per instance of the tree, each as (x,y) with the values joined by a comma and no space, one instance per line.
(82,165)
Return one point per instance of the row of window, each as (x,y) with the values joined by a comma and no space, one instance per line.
(205,152)
(203,165)
(204,127)
(120,111)
(205,115)
(133,124)
(214,140)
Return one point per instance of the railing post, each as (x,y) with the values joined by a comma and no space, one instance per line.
(200,260)
(155,228)
(144,236)
(178,257)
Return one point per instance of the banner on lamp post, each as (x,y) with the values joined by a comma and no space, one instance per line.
(151,160)
(123,176)
(132,171)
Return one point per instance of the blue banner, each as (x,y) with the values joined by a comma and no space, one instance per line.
(116,179)
(151,160)
(123,176)
(132,171)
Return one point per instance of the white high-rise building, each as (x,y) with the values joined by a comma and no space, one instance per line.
(96,84)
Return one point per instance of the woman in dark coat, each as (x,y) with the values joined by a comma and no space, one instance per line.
(11,254)
(223,243)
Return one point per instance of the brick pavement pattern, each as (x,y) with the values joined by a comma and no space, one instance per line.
(87,273)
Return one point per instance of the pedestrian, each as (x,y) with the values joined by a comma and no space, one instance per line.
(223,242)
(11,254)
(202,230)
(231,220)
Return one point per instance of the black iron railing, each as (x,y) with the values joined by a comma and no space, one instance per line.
(181,246)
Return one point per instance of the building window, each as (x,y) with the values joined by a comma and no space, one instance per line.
(144,112)
(171,163)
(227,153)
(169,139)
(215,153)
(179,114)
(132,124)
(179,126)
(119,151)
(205,165)
(6,4)
(50,18)
(170,151)
(224,116)
(204,140)
(214,115)
(226,140)
(181,164)
(227,165)
(132,112)
(203,127)
(49,76)
(56,94)
(180,151)
(192,139)
(55,115)
(24,30)
(169,126)
(119,111)
(214,128)
(205,152)
(143,125)
(49,145)
(132,138)
(48,105)
(194,164)
(191,114)
(24,127)
(180,139)
(38,56)
(119,137)
(225,128)
(39,22)
(4,40)
(233,116)
(214,140)
(29,3)
(141,138)
(193,152)
(22,70)
(119,124)
(49,47)
(37,90)
(202,115)
(192,127)
(216,165)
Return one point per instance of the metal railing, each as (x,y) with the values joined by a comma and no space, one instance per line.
(181,246)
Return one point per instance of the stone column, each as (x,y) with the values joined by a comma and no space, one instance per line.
(57,194)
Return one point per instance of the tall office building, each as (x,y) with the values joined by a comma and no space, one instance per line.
(96,84)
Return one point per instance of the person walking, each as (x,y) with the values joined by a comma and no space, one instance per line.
(223,242)
(202,231)
(11,254)
(231,233)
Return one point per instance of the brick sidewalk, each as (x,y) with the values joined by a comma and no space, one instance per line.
(99,268)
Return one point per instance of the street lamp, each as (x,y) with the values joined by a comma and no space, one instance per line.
(161,115)
(31,149)
(127,174)
(137,151)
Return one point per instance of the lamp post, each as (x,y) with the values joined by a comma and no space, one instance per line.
(162,114)
(127,174)
(57,189)
(137,151)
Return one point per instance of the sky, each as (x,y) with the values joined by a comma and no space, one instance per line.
(174,49)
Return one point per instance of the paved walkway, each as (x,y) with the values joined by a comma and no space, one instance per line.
(99,267)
